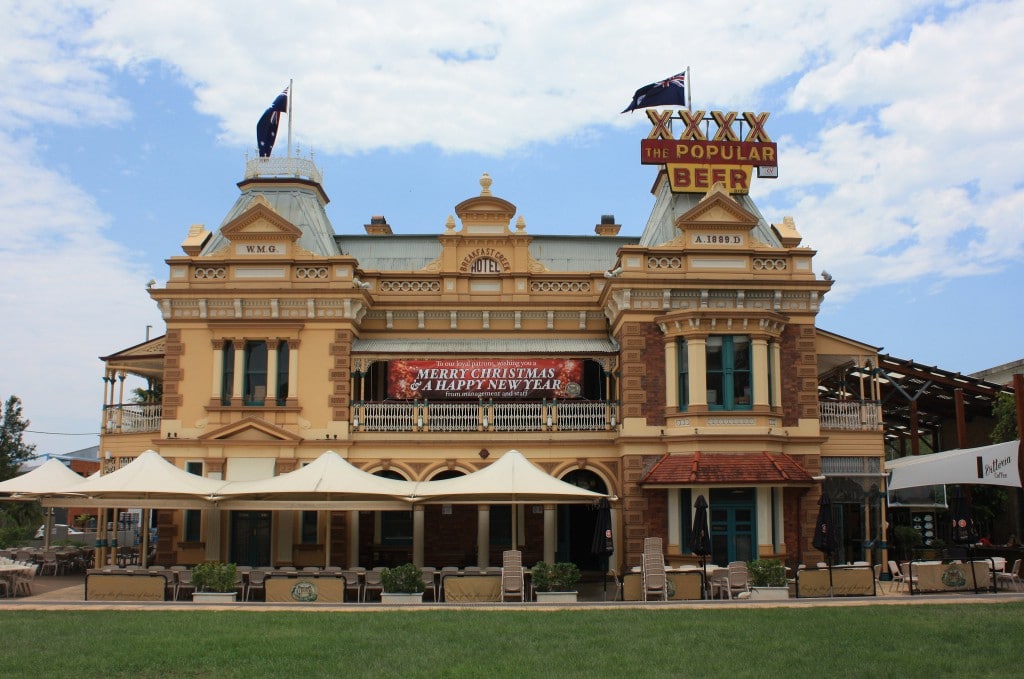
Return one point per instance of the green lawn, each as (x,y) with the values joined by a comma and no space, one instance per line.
(870,641)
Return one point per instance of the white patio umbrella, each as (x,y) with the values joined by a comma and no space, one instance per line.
(328,482)
(511,479)
(42,481)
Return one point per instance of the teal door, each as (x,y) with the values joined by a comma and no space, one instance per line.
(733,519)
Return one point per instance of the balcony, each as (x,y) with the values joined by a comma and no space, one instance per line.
(132,419)
(498,417)
(850,415)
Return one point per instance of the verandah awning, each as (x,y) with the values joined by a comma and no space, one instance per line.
(726,469)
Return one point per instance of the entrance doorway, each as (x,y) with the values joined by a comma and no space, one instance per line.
(733,514)
(250,538)
(576,524)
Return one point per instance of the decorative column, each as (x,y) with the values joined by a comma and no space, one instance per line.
(671,374)
(550,534)
(217,379)
(271,397)
(776,352)
(483,535)
(237,397)
(417,535)
(675,532)
(352,530)
(760,371)
(293,372)
(696,356)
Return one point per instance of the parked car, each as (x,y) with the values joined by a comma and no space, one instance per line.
(58,529)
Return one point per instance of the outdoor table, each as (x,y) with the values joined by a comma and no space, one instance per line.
(304,588)
(465,587)
(8,571)
(935,576)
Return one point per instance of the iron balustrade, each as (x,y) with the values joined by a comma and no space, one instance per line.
(132,419)
(398,416)
(850,415)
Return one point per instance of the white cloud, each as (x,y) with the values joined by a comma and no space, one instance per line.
(68,295)
(898,138)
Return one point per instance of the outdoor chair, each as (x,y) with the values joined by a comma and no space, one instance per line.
(512,557)
(617,581)
(908,579)
(49,563)
(372,583)
(429,577)
(352,584)
(446,571)
(171,582)
(738,579)
(896,575)
(1012,577)
(257,581)
(23,581)
(513,583)
(655,579)
(185,585)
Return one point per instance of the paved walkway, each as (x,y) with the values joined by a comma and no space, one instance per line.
(67,592)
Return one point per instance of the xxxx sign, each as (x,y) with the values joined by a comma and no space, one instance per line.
(696,159)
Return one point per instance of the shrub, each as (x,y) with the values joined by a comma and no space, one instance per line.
(767,573)
(405,579)
(214,576)
(558,577)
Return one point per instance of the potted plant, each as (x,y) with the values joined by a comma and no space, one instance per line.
(214,582)
(907,538)
(402,585)
(555,583)
(767,579)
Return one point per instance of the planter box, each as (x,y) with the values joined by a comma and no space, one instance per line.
(556,597)
(401,598)
(769,593)
(214,597)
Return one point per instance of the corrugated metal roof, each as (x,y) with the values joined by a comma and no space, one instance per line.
(669,206)
(485,346)
(715,469)
(414,252)
(298,204)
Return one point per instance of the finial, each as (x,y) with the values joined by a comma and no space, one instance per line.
(449,223)
(485,184)
(520,224)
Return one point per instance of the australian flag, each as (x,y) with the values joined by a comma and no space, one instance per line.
(667,92)
(266,128)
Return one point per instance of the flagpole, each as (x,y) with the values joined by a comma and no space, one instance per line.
(291,95)
(689,94)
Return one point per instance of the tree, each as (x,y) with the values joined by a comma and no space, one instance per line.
(16,518)
(13,449)
(1004,410)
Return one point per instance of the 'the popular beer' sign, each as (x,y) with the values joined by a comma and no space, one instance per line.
(695,160)
(485,378)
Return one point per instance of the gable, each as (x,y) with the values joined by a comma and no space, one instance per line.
(251,430)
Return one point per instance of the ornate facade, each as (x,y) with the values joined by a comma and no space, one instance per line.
(681,362)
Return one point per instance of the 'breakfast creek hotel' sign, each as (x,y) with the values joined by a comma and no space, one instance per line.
(695,163)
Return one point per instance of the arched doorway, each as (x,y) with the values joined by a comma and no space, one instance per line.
(576,524)
(450,530)
(385,537)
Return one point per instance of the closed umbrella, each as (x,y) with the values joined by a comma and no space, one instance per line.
(603,545)
(963,530)
(700,537)
(824,534)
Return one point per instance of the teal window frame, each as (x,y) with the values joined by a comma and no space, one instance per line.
(227,382)
(683,374)
(283,357)
(255,367)
(732,372)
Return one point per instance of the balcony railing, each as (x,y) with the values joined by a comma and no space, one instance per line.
(132,419)
(850,415)
(485,416)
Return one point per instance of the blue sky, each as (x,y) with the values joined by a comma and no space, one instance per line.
(127,122)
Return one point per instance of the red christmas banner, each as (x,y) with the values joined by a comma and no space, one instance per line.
(533,378)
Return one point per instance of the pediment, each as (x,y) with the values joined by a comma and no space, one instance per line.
(252,429)
(260,222)
(717,209)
